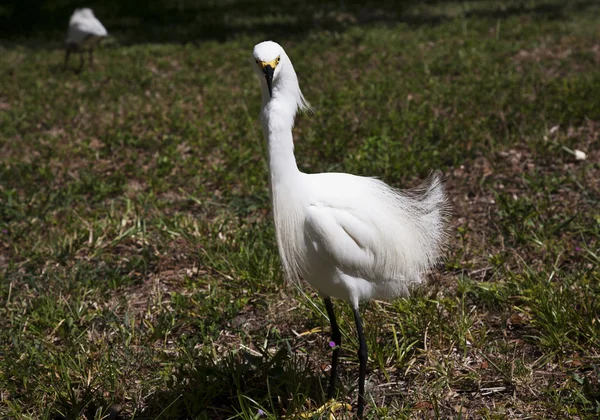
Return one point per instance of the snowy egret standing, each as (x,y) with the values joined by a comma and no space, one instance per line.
(85,31)
(350,237)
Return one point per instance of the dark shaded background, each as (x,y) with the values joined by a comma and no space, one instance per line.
(194,20)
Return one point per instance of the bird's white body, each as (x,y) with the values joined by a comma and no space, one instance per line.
(354,237)
(85,28)
(350,237)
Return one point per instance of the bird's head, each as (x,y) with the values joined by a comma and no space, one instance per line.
(267,62)
(85,12)
(276,72)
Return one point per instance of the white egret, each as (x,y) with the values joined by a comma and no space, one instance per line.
(350,237)
(85,31)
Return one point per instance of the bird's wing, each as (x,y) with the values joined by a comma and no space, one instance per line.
(94,27)
(347,241)
(83,28)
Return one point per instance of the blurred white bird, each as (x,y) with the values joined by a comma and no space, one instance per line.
(350,237)
(85,31)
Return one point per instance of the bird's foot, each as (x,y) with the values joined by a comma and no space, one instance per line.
(331,406)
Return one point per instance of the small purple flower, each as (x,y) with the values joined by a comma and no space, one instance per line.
(332,344)
(577,249)
(261,413)
(5,231)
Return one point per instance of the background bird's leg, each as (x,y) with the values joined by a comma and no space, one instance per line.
(91,58)
(362,357)
(80,61)
(336,337)
(67,54)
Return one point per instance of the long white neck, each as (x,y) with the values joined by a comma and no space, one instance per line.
(277,129)
(277,117)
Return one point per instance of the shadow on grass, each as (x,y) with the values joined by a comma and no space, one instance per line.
(241,382)
(186,21)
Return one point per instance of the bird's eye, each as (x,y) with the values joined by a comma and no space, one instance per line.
(278,59)
(257,61)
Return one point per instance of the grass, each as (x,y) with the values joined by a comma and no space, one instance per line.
(139,276)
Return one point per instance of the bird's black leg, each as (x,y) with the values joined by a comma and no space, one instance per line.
(80,61)
(91,58)
(336,337)
(67,54)
(362,357)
